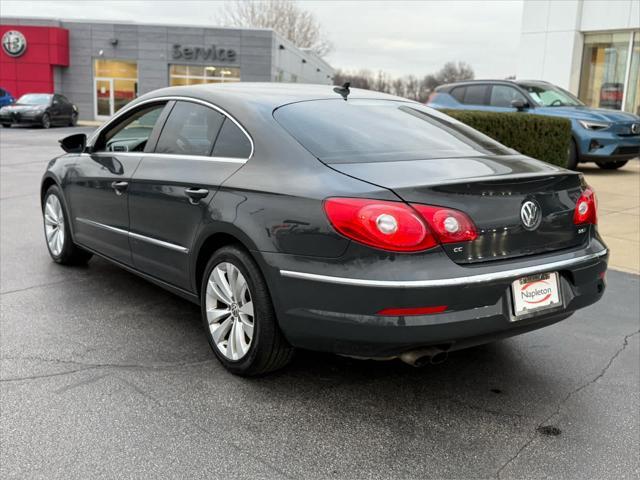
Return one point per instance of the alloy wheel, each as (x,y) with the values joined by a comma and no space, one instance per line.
(229,310)
(46,121)
(54,224)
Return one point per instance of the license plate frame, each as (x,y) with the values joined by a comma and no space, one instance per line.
(534,294)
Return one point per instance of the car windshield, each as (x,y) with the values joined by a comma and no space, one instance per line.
(34,99)
(550,95)
(358,130)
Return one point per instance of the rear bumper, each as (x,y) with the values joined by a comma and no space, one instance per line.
(337,313)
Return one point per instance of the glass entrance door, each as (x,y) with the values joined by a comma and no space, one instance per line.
(115,85)
(104,98)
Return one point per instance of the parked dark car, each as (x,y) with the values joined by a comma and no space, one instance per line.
(5,98)
(372,226)
(608,137)
(44,109)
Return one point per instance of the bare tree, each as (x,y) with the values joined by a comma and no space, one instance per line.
(284,16)
(452,72)
(399,87)
(408,86)
(358,79)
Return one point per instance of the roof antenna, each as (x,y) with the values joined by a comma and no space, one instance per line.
(343,90)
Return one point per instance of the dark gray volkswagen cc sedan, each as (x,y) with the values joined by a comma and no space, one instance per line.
(326,218)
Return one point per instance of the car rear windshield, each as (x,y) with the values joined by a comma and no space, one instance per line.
(358,130)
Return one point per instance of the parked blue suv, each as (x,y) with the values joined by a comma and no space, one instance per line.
(5,98)
(608,137)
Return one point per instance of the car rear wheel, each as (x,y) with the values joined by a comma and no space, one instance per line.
(46,121)
(572,161)
(57,232)
(74,119)
(6,125)
(239,317)
(612,165)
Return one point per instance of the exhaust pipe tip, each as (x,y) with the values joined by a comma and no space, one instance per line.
(424,356)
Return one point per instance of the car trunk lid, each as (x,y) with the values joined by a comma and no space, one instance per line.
(493,192)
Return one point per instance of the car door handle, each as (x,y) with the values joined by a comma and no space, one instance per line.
(119,187)
(196,194)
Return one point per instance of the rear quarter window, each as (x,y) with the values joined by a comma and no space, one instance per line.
(458,93)
(232,142)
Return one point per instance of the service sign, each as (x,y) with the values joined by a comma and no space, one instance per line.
(14,43)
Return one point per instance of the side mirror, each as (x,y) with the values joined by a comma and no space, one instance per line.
(74,143)
(519,105)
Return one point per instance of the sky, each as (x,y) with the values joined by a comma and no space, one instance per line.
(398,37)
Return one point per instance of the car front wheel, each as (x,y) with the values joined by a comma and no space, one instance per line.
(57,232)
(612,165)
(238,315)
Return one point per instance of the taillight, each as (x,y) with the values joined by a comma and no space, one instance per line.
(387,225)
(396,226)
(449,226)
(586,209)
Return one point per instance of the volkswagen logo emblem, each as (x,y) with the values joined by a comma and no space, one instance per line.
(530,215)
(635,128)
(13,43)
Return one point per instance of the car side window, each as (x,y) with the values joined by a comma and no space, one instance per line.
(503,95)
(475,95)
(132,133)
(458,93)
(232,142)
(190,129)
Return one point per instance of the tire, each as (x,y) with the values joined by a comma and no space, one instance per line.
(46,121)
(74,119)
(612,165)
(572,161)
(266,349)
(56,231)
(6,125)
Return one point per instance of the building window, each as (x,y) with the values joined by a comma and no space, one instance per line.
(115,85)
(196,74)
(632,99)
(609,76)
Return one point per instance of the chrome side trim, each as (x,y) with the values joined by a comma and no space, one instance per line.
(155,241)
(101,225)
(169,155)
(167,98)
(137,236)
(446,282)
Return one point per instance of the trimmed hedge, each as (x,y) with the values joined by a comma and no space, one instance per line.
(537,136)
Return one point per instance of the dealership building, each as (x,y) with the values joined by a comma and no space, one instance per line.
(102,66)
(591,48)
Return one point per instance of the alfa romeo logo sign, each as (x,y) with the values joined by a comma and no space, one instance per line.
(13,43)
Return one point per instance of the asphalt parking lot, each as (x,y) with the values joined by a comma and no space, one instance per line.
(103,375)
